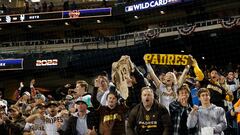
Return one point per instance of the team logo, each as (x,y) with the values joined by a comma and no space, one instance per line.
(74,14)
(147,117)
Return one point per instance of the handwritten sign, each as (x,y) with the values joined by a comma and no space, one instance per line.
(167,59)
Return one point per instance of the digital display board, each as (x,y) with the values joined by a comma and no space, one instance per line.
(30,17)
(85,13)
(151,4)
(48,16)
(11,64)
(45,63)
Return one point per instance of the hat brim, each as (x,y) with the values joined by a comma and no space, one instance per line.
(78,102)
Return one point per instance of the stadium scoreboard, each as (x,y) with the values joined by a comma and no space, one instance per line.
(48,16)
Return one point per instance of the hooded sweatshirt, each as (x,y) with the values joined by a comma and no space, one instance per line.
(212,116)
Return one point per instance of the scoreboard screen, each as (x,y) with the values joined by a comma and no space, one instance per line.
(48,16)
(87,13)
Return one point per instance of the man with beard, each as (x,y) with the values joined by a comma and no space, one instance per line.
(148,117)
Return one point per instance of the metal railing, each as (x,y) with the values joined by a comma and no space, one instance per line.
(122,40)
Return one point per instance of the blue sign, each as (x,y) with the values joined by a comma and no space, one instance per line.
(150,4)
(11,64)
(88,13)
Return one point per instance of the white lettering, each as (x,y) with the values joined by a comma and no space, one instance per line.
(8,19)
(53,62)
(136,7)
(34,17)
(150,4)
(2,64)
(146,5)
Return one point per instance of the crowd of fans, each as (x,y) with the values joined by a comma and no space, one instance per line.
(175,103)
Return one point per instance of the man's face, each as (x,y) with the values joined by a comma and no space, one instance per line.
(183,94)
(198,85)
(79,89)
(103,83)
(82,107)
(214,75)
(204,98)
(41,110)
(230,76)
(52,110)
(112,100)
(147,97)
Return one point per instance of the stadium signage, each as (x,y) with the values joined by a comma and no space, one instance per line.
(57,15)
(11,64)
(50,62)
(74,14)
(167,59)
(149,4)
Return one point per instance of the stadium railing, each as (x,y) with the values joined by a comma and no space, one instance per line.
(122,40)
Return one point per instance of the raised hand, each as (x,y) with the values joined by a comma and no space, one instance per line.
(194,109)
(92,132)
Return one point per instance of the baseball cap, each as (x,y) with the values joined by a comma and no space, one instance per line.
(81,101)
(52,103)
(40,96)
(27,93)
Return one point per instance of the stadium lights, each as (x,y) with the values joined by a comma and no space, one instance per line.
(66,23)
(136,17)
(29,26)
(203,57)
(182,51)
(162,12)
(99,21)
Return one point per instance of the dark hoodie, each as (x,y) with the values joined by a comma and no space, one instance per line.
(156,121)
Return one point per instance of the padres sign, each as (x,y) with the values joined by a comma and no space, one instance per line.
(167,59)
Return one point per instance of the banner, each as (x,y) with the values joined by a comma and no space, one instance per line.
(167,59)
(11,64)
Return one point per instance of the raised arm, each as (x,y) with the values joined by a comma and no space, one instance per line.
(192,119)
(95,102)
(198,72)
(153,75)
(182,78)
(31,118)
